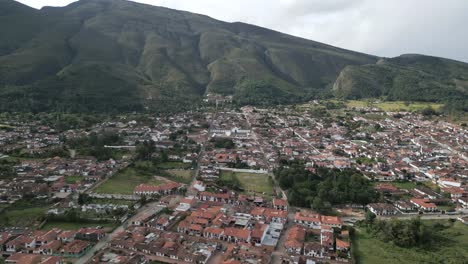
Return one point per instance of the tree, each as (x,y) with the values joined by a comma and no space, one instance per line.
(83,198)
(145,150)
(370,217)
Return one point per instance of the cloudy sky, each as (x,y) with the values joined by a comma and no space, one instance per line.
(380,27)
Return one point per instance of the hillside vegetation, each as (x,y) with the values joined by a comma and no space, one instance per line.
(407,78)
(121,56)
(115,55)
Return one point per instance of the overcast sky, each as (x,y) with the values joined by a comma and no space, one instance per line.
(380,27)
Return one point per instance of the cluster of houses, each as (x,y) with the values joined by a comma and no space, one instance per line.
(384,149)
(419,199)
(51,177)
(315,237)
(44,246)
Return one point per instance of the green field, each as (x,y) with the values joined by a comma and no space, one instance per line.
(183,176)
(451,248)
(174,165)
(76,226)
(394,105)
(111,201)
(124,181)
(24,213)
(24,217)
(404,185)
(251,182)
(73,179)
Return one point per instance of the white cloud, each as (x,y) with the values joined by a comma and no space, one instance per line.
(385,28)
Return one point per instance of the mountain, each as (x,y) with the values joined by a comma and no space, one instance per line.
(408,77)
(104,55)
(116,55)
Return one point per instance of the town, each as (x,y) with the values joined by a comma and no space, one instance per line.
(220,184)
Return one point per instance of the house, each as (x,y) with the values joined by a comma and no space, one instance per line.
(21,258)
(52,260)
(463,220)
(280,204)
(215,197)
(90,234)
(426,192)
(213,232)
(424,204)
(185,204)
(332,221)
(199,186)
(76,249)
(463,201)
(49,248)
(309,220)
(382,209)
(295,239)
(449,182)
(404,206)
(236,235)
(259,233)
(455,192)
(67,236)
(315,250)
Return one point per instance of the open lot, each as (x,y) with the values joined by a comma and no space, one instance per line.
(404,185)
(76,226)
(174,165)
(23,217)
(124,181)
(73,179)
(450,248)
(183,176)
(110,201)
(251,182)
(394,105)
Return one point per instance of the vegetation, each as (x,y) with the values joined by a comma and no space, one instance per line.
(394,106)
(248,182)
(450,239)
(409,78)
(75,225)
(407,234)
(223,143)
(94,144)
(324,188)
(124,181)
(24,213)
(57,69)
(7,170)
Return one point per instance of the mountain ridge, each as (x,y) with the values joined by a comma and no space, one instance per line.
(102,55)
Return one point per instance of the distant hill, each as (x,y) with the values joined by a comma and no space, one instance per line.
(115,55)
(408,77)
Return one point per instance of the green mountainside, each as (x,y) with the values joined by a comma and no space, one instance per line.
(104,55)
(116,55)
(408,78)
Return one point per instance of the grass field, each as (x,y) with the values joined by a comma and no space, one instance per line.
(24,213)
(111,201)
(404,185)
(73,179)
(23,217)
(183,176)
(76,226)
(124,181)
(251,182)
(452,248)
(174,165)
(394,105)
